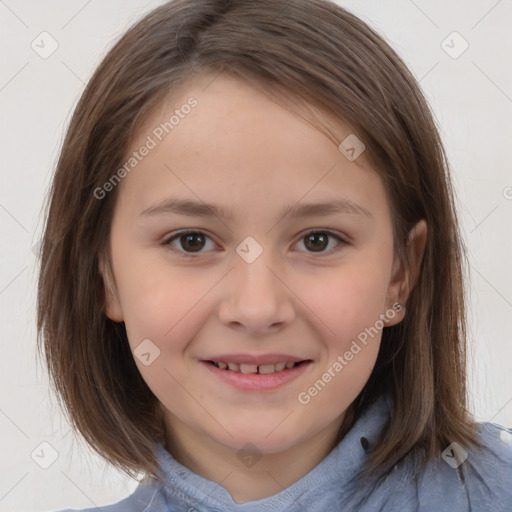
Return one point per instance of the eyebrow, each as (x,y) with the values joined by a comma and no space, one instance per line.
(200,209)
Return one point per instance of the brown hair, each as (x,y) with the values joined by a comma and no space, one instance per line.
(314,51)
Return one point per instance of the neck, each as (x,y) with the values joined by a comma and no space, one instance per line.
(248,476)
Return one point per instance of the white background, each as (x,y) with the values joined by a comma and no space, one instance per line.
(472,100)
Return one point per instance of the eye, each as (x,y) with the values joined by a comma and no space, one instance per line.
(318,240)
(192,242)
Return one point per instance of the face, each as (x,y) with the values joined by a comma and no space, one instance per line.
(250,284)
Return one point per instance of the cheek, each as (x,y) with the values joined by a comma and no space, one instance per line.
(350,297)
(337,385)
(350,305)
(157,300)
(165,307)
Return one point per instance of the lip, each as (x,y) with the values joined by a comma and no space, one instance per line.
(256,359)
(256,381)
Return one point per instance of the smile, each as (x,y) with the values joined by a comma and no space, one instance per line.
(261,377)
(253,368)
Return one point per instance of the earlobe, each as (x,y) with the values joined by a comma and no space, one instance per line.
(405,274)
(112,305)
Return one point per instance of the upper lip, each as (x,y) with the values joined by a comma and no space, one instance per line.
(255,359)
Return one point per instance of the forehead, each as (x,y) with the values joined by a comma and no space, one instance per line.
(237,143)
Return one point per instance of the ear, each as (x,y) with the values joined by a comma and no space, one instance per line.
(112,304)
(404,276)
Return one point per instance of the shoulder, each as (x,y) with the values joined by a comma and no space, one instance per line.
(146,494)
(478,478)
(459,479)
(497,440)
(489,468)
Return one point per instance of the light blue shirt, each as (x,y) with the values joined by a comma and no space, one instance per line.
(482,482)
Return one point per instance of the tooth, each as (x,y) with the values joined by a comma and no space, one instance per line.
(222,365)
(233,366)
(290,365)
(248,368)
(280,366)
(266,368)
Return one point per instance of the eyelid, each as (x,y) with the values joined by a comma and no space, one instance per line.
(335,234)
(342,239)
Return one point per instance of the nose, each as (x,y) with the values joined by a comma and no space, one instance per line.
(256,299)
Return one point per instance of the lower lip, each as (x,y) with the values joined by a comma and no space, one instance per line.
(256,381)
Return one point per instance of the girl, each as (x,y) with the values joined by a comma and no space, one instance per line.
(251,282)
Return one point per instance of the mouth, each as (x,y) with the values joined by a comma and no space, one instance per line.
(257,377)
(250,369)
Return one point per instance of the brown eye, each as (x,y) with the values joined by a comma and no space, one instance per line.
(318,241)
(188,242)
(192,241)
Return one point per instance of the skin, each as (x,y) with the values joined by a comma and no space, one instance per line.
(241,150)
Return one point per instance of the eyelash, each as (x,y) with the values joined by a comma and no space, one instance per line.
(176,236)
